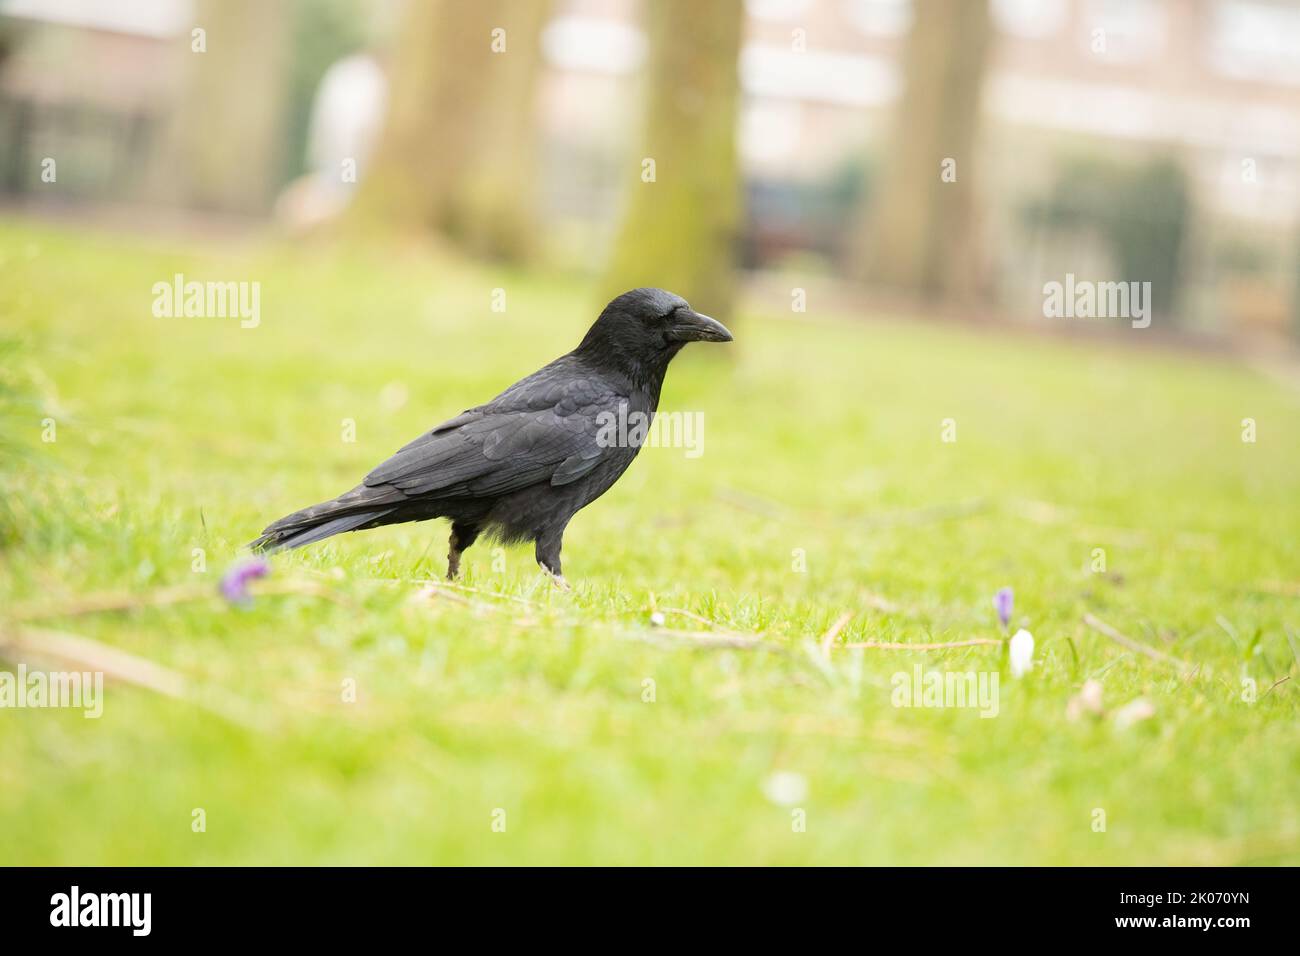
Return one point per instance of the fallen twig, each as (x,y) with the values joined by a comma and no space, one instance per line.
(433,590)
(881,603)
(693,616)
(82,653)
(706,638)
(456,586)
(833,631)
(718,628)
(893,646)
(1101,627)
(98,603)
(162,597)
(1280,680)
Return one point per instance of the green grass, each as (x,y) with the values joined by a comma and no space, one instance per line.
(823,434)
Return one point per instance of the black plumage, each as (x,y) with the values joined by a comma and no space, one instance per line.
(520,466)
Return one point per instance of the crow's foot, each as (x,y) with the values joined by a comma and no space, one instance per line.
(556,579)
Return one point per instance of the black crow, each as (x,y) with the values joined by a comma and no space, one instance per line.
(521,466)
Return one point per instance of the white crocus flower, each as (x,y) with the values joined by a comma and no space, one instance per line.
(786,788)
(1134,711)
(1022,653)
(1087,701)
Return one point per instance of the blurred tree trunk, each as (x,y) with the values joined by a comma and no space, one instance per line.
(920,235)
(227,137)
(679,231)
(1295,292)
(458,150)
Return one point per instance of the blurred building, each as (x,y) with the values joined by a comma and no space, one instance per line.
(1211,85)
(85,79)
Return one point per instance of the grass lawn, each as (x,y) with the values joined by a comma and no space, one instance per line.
(825,487)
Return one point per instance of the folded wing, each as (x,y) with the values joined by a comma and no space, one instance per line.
(544,429)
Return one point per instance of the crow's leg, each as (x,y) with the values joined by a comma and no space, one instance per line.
(548,554)
(462,536)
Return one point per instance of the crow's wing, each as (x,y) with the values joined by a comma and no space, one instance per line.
(543,429)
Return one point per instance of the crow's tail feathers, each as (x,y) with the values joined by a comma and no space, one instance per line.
(317,523)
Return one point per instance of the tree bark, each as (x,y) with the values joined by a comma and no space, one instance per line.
(457,153)
(680,231)
(226,139)
(920,235)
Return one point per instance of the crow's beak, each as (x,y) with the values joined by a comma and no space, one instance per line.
(690,326)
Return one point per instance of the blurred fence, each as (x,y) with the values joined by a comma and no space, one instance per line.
(1060,190)
(113,149)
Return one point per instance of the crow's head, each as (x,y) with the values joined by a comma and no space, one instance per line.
(650,324)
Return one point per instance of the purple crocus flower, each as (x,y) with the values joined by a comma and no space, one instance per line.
(234,583)
(1003,601)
